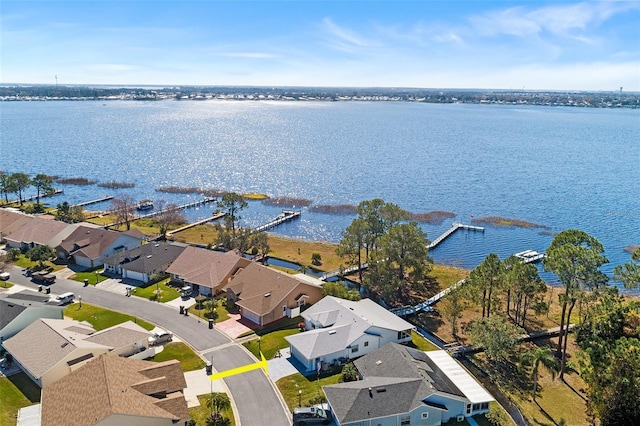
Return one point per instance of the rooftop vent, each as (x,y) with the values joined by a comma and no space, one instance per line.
(332,332)
(267,294)
(378,362)
(380,390)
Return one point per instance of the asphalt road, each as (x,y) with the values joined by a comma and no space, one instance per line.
(256,400)
(252,388)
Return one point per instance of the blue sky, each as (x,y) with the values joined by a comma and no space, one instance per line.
(535,45)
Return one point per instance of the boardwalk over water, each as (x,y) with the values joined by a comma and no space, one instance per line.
(426,305)
(99,200)
(197,203)
(353,269)
(454,227)
(200,222)
(283,217)
(48,194)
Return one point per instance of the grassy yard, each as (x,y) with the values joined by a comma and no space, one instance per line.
(270,343)
(90,276)
(311,387)
(448,275)
(151,292)
(221,309)
(23,262)
(101,318)
(421,343)
(16,391)
(201,412)
(6,284)
(189,360)
(300,251)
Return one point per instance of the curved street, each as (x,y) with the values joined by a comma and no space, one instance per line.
(254,395)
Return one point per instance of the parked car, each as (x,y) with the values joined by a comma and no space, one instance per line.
(160,337)
(4,275)
(303,416)
(63,298)
(43,278)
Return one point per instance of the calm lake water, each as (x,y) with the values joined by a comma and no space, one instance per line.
(559,167)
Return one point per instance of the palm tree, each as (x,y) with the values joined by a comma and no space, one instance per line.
(544,356)
(217,401)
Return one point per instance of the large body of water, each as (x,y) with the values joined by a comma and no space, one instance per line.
(559,167)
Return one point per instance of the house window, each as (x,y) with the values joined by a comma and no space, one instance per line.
(354,348)
(468,408)
(484,406)
(405,420)
(403,335)
(425,416)
(366,344)
(284,310)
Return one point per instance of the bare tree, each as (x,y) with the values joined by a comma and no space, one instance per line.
(170,215)
(122,210)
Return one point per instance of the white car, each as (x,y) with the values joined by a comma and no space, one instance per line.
(4,275)
(161,337)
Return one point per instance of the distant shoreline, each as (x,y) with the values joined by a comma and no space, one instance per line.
(569,98)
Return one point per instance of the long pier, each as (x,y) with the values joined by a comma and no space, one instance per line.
(34,197)
(200,222)
(454,227)
(426,305)
(181,207)
(283,217)
(99,200)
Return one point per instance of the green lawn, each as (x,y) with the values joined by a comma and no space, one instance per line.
(177,350)
(101,318)
(6,284)
(221,309)
(201,412)
(421,343)
(150,292)
(90,276)
(16,391)
(310,386)
(270,343)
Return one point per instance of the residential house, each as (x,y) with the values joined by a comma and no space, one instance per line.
(116,391)
(88,247)
(144,261)
(206,271)
(405,386)
(32,231)
(9,216)
(265,295)
(18,310)
(49,349)
(339,330)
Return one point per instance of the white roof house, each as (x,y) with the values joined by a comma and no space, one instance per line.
(402,385)
(339,329)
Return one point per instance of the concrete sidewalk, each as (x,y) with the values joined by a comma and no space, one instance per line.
(198,383)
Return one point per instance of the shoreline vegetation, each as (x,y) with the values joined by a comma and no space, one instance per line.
(434,217)
(507,221)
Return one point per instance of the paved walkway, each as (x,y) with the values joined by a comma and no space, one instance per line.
(233,327)
(198,383)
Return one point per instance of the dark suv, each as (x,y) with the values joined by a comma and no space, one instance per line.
(311,416)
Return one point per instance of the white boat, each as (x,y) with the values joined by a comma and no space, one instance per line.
(145,205)
(530,256)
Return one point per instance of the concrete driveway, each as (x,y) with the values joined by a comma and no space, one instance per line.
(257,401)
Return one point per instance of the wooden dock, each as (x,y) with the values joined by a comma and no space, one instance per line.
(200,222)
(454,227)
(99,200)
(343,272)
(426,305)
(49,194)
(283,217)
(181,207)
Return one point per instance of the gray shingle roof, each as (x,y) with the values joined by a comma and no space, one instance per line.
(147,258)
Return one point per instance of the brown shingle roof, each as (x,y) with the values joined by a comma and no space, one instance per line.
(91,242)
(206,268)
(34,230)
(8,217)
(262,289)
(106,386)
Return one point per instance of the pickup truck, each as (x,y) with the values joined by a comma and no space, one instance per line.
(42,277)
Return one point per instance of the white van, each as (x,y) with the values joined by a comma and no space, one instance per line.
(63,299)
